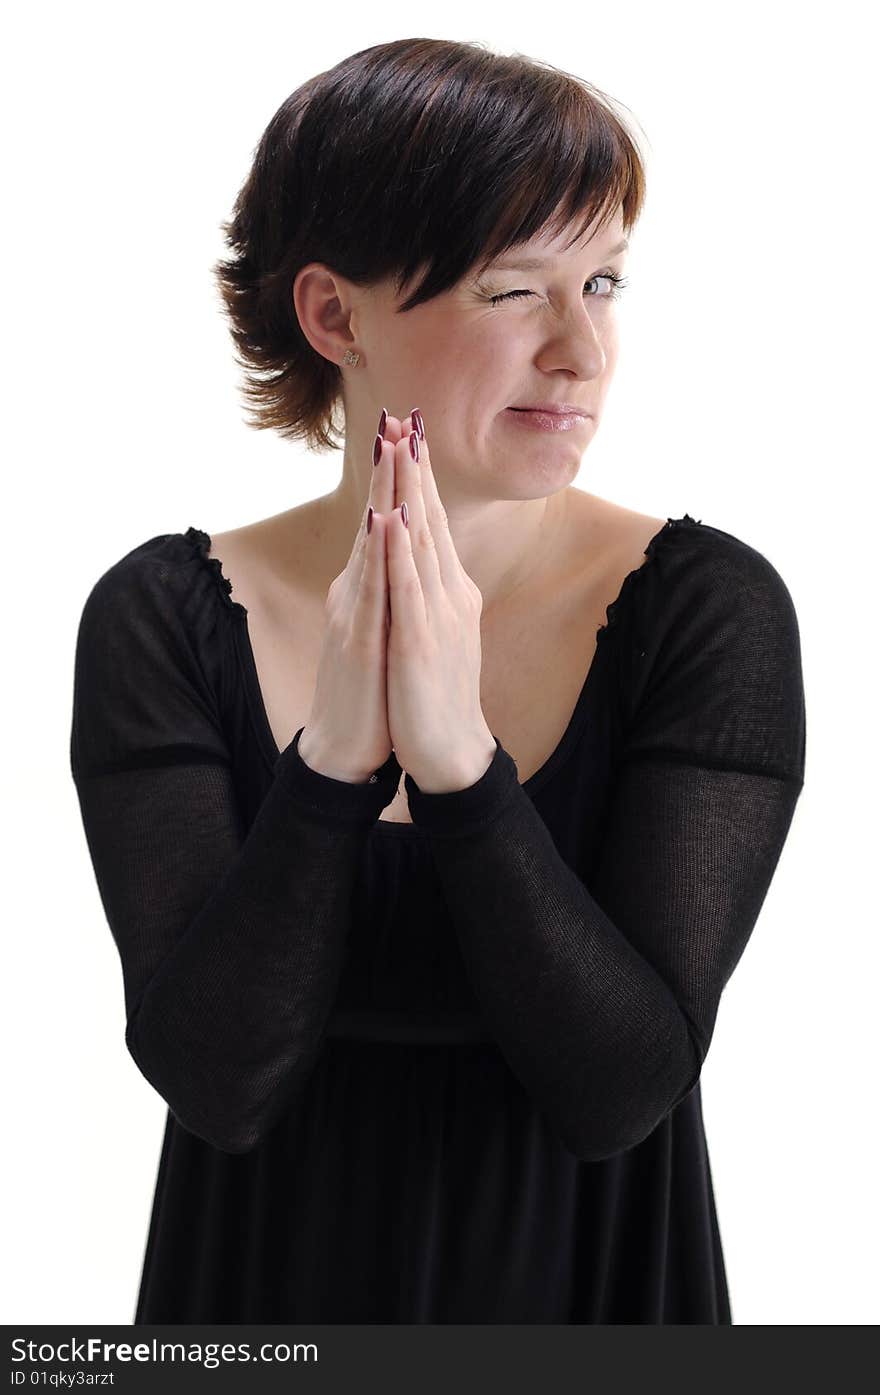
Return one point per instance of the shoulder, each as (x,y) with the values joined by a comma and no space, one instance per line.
(661,567)
(150,656)
(275,567)
(653,570)
(704,577)
(164,593)
(169,567)
(714,651)
(610,533)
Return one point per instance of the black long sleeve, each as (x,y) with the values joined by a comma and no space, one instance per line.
(604,999)
(231,946)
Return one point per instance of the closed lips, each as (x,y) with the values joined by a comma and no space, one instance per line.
(553,411)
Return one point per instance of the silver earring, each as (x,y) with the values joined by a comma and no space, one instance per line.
(351,358)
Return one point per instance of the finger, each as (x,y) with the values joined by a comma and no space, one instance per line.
(409,617)
(448,560)
(380,497)
(408,485)
(396,427)
(370,606)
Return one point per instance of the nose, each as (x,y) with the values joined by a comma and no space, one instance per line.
(576,346)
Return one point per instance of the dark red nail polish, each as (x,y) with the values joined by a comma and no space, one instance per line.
(383,422)
(417,422)
(414,444)
(404,513)
(377,450)
(369,518)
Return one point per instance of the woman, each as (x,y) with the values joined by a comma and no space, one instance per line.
(431,817)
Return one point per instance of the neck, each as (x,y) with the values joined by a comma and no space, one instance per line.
(502,543)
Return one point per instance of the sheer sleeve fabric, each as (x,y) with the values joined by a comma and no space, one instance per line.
(603,999)
(231,944)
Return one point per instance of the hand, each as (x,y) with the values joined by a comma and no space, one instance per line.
(346,735)
(434,655)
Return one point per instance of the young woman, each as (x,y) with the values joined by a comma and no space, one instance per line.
(431,817)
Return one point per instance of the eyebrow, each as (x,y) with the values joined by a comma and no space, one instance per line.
(536,263)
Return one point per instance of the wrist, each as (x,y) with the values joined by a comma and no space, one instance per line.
(467,767)
(320,759)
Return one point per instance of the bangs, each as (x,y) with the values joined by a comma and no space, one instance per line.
(533,156)
(441,155)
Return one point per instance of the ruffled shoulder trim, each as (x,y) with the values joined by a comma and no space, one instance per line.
(201,544)
(672,529)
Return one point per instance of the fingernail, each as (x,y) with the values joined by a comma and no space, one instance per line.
(369,518)
(417,422)
(377,450)
(404,513)
(383,421)
(414,444)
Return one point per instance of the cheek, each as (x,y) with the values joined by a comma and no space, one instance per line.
(608,330)
(611,349)
(475,357)
(494,345)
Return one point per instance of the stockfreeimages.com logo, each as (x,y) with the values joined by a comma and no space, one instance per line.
(208,1354)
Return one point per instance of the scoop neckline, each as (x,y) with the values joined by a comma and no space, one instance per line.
(392,828)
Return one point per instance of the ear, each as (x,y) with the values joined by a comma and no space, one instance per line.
(324,302)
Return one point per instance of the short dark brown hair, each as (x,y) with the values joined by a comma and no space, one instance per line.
(418,151)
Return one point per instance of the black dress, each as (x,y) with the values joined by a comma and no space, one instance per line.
(445,1071)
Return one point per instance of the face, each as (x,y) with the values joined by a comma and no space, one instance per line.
(550,335)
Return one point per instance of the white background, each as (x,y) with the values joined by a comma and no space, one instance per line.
(748,362)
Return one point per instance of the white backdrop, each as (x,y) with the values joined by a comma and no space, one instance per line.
(741,397)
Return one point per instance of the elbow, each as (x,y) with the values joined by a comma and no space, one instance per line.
(597,1135)
(225,1135)
(591,1147)
(601,1149)
(242,1133)
(224,1141)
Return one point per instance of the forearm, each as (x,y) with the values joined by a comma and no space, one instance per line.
(229,1024)
(591,1029)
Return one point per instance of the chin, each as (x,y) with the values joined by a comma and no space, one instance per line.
(543,472)
(535,482)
